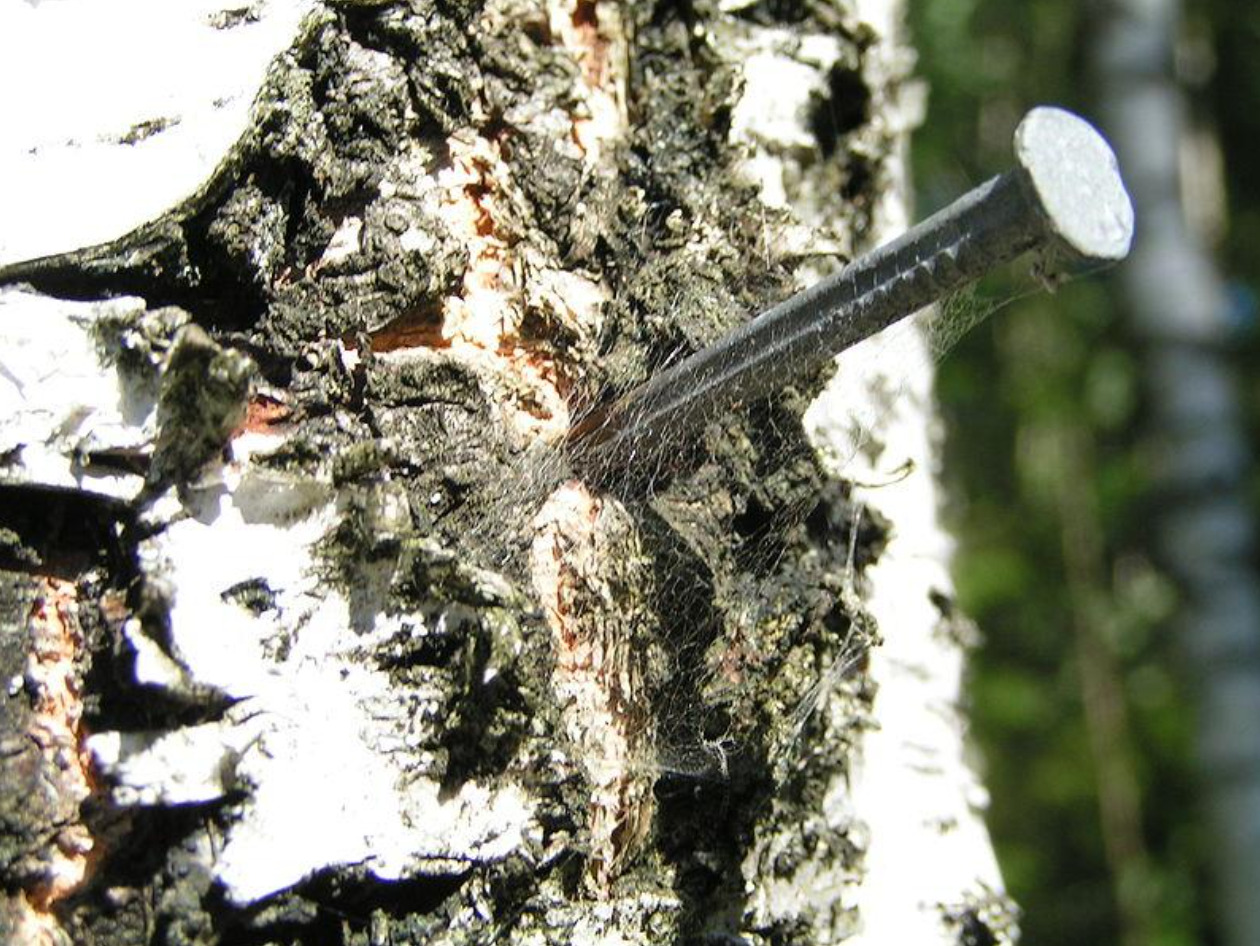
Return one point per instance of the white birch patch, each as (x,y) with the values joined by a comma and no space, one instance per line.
(59,400)
(115,112)
(319,738)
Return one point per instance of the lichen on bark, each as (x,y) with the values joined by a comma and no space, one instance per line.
(452,229)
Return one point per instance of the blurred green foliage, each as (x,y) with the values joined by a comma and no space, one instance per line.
(1045,471)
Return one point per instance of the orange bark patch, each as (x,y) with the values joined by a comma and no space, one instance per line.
(416,329)
(567,520)
(482,323)
(57,729)
(599,675)
(263,414)
(484,314)
(592,40)
(593,45)
(36,926)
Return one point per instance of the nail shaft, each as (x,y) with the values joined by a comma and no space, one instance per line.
(1065,196)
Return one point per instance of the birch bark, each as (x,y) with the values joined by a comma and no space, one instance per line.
(313,637)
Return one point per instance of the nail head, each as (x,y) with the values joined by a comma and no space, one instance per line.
(1076,181)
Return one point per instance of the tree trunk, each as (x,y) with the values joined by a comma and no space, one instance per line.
(1204,526)
(314,633)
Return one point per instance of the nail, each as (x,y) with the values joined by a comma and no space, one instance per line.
(1064,199)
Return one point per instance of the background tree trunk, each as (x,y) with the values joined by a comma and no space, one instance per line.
(1178,305)
(313,632)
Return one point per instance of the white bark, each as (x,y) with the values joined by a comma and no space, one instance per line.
(116,112)
(929,856)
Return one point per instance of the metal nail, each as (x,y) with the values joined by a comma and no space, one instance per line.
(1064,198)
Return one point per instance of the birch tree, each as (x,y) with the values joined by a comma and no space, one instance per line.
(314,634)
(1204,531)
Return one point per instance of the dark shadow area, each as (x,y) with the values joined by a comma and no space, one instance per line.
(59,533)
(845,108)
(710,791)
(166,262)
(322,911)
